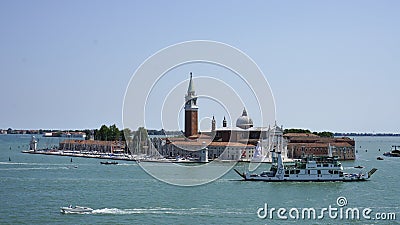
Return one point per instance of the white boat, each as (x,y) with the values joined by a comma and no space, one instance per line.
(76,209)
(395,152)
(322,168)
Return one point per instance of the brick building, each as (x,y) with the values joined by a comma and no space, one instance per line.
(300,145)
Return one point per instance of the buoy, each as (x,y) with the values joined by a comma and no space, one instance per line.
(366,150)
(9,159)
(379,150)
(71,159)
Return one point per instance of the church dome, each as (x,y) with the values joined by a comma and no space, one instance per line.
(244,121)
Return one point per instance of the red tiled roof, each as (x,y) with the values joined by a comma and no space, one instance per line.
(320,145)
(89,142)
(214,144)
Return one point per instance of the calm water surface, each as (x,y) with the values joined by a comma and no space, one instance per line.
(34,187)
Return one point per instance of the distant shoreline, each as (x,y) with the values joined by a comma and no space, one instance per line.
(366,134)
(337,134)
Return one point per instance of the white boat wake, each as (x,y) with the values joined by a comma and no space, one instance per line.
(172,211)
(34,168)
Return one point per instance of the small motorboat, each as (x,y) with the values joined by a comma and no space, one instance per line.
(109,163)
(379,158)
(75,209)
(358,167)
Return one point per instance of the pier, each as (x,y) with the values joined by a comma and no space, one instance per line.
(80,154)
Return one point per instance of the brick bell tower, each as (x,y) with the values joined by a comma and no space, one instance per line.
(191,111)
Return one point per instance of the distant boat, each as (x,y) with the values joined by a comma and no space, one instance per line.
(109,163)
(379,158)
(358,167)
(9,159)
(395,152)
(76,209)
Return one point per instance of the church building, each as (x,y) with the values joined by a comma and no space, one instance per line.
(244,142)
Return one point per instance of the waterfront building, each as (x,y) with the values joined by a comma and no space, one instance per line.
(300,145)
(273,141)
(179,147)
(93,146)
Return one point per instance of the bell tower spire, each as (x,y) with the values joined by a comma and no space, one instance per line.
(213,124)
(191,110)
(191,86)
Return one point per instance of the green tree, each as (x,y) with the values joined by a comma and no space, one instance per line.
(87,132)
(294,130)
(324,134)
(103,133)
(111,133)
(114,133)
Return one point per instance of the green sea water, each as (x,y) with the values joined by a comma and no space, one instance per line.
(34,187)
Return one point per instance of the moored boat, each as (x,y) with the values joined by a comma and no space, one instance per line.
(395,151)
(109,163)
(322,168)
(75,209)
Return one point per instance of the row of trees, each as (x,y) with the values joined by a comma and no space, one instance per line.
(304,131)
(111,133)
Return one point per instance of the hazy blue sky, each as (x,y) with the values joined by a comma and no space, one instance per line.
(332,65)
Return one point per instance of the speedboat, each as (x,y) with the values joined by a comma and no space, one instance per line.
(76,209)
(322,168)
